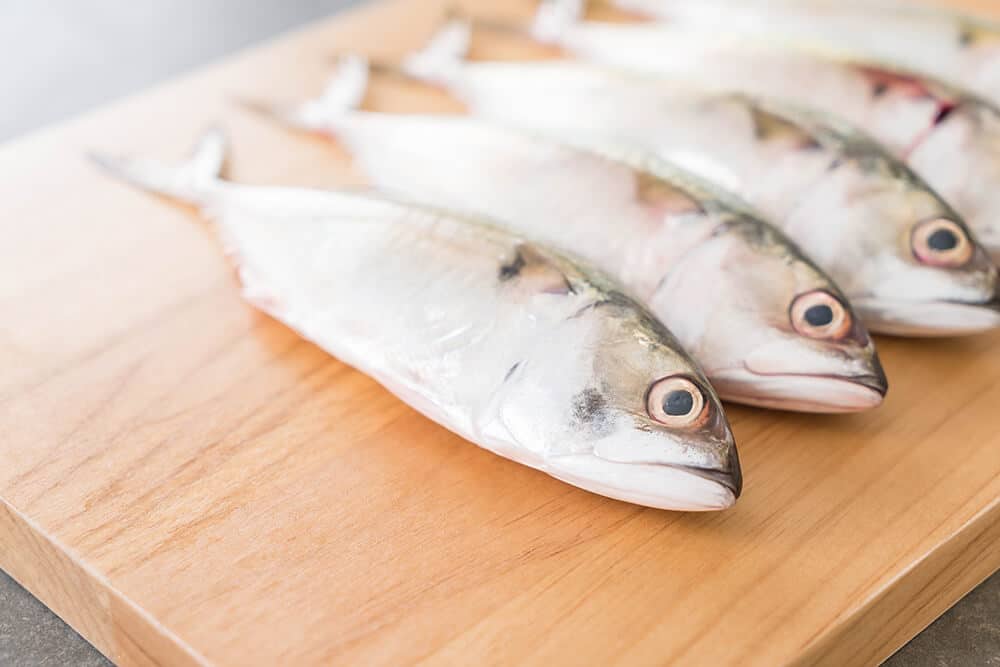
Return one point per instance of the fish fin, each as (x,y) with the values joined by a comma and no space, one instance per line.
(771,125)
(661,197)
(826,129)
(443,53)
(344,92)
(533,269)
(554,17)
(346,87)
(189,182)
(977,32)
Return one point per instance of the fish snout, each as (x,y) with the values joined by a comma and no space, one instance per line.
(860,384)
(993,248)
(857,393)
(874,377)
(988,312)
(728,473)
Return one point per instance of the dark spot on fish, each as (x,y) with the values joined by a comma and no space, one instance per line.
(590,410)
(678,403)
(943,113)
(513,369)
(835,164)
(942,240)
(967,37)
(587,404)
(512,269)
(819,316)
(537,270)
(880,89)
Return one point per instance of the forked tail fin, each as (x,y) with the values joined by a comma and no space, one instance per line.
(189,182)
(345,90)
(444,53)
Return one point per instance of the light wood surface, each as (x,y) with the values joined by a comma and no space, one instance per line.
(185,481)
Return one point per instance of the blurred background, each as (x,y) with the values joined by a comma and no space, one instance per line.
(64,57)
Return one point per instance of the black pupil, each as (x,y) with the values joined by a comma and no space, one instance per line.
(942,240)
(678,403)
(819,316)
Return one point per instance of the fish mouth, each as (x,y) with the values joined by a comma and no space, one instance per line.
(801,392)
(659,485)
(930,318)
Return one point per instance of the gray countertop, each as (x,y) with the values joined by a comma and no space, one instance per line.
(73,55)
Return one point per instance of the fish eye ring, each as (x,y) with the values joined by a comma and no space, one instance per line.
(819,314)
(677,402)
(941,242)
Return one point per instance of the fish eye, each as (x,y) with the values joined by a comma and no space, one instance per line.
(941,242)
(677,402)
(819,314)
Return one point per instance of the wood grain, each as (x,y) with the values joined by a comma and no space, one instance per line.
(187,482)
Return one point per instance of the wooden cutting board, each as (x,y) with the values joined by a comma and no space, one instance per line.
(185,481)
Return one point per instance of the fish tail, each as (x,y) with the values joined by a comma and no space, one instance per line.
(554,17)
(345,90)
(445,51)
(190,182)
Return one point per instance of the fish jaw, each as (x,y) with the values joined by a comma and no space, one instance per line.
(929,319)
(784,376)
(662,486)
(804,393)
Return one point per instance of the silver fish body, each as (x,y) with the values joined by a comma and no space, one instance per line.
(951,138)
(733,289)
(510,345)
(944,44)
(860,213)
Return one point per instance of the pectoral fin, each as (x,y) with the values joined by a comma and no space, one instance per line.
(535,271)
(664,198)
(770,126)
(975,34)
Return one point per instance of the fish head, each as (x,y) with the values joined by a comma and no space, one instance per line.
(771,329)
(633,417)
(960,156)
(905,259)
